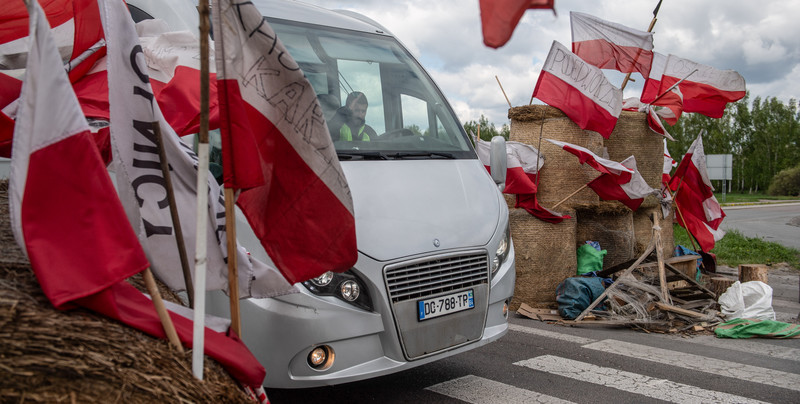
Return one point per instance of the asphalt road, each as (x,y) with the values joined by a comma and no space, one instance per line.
(776,222)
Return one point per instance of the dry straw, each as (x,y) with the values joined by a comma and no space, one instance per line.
(77,356)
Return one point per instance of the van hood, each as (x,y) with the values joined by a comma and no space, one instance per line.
(403,206)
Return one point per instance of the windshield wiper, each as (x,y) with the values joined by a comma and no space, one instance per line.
(366,155)
(422,154)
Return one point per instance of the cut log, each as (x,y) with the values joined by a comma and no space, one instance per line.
(719,284)
(752,272)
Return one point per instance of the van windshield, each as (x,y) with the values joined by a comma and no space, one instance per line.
(377,100)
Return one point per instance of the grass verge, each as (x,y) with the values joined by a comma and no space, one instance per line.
(745,198)
(735,249)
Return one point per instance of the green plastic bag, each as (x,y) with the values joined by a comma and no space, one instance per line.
(748,328)
(589,259)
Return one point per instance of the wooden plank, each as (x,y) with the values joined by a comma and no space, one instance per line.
(683,312)
(538,314)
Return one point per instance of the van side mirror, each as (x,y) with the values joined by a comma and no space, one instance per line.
(498,161)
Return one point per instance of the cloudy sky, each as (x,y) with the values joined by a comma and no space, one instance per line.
(759,39)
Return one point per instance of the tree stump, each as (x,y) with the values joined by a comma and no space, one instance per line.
(752,272)
(719,284)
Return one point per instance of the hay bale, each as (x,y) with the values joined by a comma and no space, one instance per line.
(52,356)
(611,225)
(562,173)
(643,230)
(632,136)
(544,257)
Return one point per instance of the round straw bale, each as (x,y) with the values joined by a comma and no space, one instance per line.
(545,256)
(562,173)
(78,356)
(611,225)
(632,136)
(643,229)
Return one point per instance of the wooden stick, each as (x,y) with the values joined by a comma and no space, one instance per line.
(233,262)
(173,211)
(662,276)
(636,263)
(163,314)
(639,52)
(684,312)
(570,196)
(504,91)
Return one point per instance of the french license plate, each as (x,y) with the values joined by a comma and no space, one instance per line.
(442,305)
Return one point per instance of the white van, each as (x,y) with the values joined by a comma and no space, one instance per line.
(435,271)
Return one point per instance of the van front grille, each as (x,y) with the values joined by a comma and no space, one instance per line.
(436,275)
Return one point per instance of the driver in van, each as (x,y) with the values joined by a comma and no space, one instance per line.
(348,123)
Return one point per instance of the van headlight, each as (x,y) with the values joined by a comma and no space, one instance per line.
(502,251)
(345,286)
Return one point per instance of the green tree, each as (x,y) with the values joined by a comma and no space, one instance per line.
(487,129)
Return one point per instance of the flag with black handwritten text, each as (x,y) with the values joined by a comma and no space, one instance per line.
(277,149)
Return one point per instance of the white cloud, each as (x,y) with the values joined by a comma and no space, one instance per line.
(760,40)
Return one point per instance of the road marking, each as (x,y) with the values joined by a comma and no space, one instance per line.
(699,363)
(477,390)
(748,346)
(550,334)
(661,389)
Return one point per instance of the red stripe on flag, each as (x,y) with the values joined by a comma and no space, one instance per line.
(71,221)
(294,197)
(579,108)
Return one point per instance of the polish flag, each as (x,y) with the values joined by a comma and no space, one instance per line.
(705,90)
(698,209)
(141,187)
(656,93)
(523,165)
(620,172)
(278,151)
(76,31)
(65,212)
(580,90)
(631,193)
(653,115)
(609,45)
(669,163)
(499,18)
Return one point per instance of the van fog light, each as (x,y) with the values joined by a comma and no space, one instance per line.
(505,309)
(321,357)
(323,279)
(350,290)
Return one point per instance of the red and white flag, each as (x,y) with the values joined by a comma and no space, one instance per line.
(523,162)
(631,193)
(621,173)
(653,115)
(698,209)
(499,18)
(580,90)
(669,164)
(705,90)
(142,187)
(65,212)
(77,34)
(523,165)
(609,45)
(278,151)
(133,112)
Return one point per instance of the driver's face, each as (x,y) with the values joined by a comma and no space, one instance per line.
(359,110)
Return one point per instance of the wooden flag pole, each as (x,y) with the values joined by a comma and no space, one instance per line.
(649,29)
(198,336)
(504,91)
(662,276)
(570,196)
(678,209)
(672,86)
(173,211)
(163,314)
(233,262)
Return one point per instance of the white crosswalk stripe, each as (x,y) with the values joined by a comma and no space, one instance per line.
(744,345)
(700,363)
(474,389)
(550,334)
(660,389)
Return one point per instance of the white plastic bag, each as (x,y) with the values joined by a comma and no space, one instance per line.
(747,300)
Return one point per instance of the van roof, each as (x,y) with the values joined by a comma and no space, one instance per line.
(303,12)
